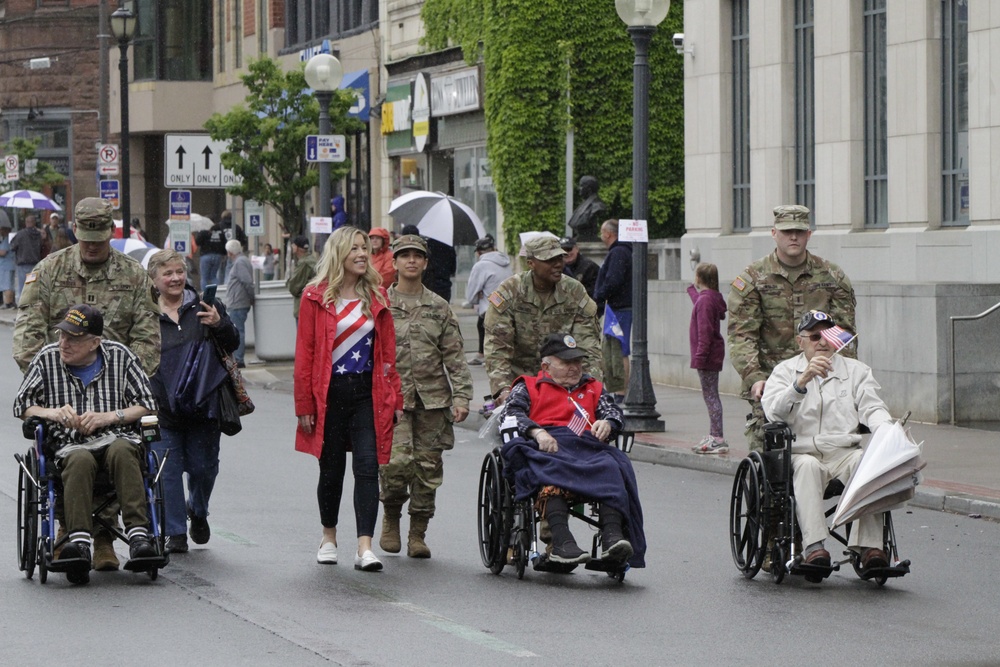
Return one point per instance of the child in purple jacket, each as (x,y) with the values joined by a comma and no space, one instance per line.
(708,350)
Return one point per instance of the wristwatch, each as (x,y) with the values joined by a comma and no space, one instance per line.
(121,416)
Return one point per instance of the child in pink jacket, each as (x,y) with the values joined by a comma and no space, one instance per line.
(708,350)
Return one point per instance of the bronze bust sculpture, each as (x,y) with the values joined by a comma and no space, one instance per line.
(588,216)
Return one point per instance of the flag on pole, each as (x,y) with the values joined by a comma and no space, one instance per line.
(611,325)
(580,421)
(837,338)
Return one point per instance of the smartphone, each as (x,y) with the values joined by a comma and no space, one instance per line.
(209,294)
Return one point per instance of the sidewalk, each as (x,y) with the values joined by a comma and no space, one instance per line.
(963,464)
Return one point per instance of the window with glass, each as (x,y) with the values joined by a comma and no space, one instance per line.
(955,112)
(312,20)
(741,115)
(173,40)
(805,108)
(876,128)
(474,185)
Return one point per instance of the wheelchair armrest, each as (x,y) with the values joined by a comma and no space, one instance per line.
(624,441)
(775,427)
(29,425)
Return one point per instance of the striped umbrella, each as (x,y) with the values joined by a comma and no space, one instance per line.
(28,199)
(438,216)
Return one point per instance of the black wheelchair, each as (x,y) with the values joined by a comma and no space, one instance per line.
(509,528)
(38,490)
(763,528)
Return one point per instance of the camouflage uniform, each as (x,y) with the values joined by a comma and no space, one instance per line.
(766,302)
(518,320)
(305,270)
(120,288)
(431,362)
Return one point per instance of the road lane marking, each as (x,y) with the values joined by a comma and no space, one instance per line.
(465,632)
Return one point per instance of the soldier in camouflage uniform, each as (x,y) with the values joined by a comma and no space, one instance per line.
(529,306)
(92,273)
(437,387)
(768,299)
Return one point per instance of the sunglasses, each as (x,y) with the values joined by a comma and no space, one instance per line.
(813,337)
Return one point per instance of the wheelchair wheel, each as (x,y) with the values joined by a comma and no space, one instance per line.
(27,516)
(747,523)
(521,544)
(157,514)
(492,533)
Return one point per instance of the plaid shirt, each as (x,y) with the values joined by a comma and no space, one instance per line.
(120,384)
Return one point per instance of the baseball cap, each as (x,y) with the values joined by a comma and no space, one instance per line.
(813,318)
(409,242)
(301,242)
(561,345)
(567,243)
(93,219)
(543,248)
(82,319)
(791,216)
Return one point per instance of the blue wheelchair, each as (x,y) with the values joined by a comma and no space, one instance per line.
(38,496)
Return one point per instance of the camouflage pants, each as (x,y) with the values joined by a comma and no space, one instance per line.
(614,366)
(415,469)
(755,426)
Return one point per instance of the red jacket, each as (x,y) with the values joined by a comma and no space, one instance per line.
(550,404)
(382,260)
(314,366)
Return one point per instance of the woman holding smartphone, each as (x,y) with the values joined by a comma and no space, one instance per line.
(189,427)
(347,391)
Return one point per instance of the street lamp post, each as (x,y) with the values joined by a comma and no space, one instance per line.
(323,74)
(122,26)
(641,17)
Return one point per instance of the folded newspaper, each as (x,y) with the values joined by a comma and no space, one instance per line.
(94,445)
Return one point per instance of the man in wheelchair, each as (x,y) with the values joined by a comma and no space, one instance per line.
(90,392)
(564,420)
(825,398)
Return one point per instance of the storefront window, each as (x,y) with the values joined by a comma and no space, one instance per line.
(474,185)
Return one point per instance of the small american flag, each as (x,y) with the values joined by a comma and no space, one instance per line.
(580,421)
(838,338)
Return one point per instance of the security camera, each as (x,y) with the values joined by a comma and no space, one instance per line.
(679,42)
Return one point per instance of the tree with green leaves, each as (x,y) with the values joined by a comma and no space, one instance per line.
(551,64)
(43,175)
(267,138)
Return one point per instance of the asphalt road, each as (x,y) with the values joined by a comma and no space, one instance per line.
(255,595)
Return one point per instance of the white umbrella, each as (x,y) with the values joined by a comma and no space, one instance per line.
(889,469)
(198,222)
(438,216)
(28,199)
(138,250)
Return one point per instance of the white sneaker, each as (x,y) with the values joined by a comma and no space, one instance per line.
(327,553)
(367,562)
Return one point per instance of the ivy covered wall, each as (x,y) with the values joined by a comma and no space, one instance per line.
(536,51)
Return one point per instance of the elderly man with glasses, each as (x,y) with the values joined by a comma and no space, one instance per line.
(825,398)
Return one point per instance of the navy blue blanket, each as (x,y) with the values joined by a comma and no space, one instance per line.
(585,466)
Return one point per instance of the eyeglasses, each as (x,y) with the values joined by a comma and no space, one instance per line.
(813,337)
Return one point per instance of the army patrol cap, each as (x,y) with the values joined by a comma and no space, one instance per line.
(815,318)
(82,319)
(409,242)
(93,220)
(791,217)
(544,248)
(561,345)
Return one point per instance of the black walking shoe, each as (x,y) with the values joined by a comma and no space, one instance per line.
(568,552)
(140,547)
(177,544)
(200,532)
(79,571)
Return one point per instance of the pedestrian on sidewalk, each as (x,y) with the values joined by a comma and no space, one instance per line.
(437,387)
(382,255)
(347,390)
(491,268)
(708,350)
(27,247)
(613,295)
(770,296)
(577,266)
(239,295)
(7,266)
(304,271)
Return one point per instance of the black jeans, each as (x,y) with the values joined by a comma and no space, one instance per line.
(350,423)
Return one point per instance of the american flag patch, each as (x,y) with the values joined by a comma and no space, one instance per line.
(739,284)
(496,299)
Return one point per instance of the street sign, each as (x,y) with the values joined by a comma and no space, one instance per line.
(180,204)
(107,160)
(194,161)
(253,218)
(180,236)
(111,191)
(635,231)
(320,225)
(11,167)
(326,148)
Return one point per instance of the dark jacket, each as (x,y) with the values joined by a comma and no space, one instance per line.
(174,337)
(585,270)
(708,349)
(211,241)
(614,280)
(441,265)
(339,215)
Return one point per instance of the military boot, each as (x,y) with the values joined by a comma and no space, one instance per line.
(415,545)
(390,541)
(105,558)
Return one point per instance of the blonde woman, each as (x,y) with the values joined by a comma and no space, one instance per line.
(347,391)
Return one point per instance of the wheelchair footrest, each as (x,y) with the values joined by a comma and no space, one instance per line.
(545,564)
(67,564)
(900,569)
(813,573)
(146,564)
(599,565)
